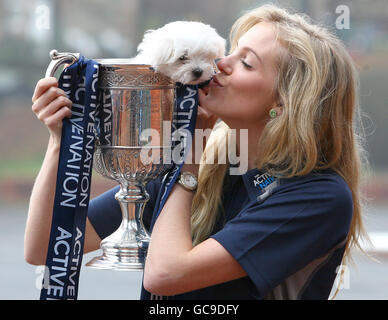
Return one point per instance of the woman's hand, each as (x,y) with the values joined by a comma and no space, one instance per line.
(205,119)
(51,105)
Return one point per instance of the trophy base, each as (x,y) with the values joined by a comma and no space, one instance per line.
(132,260)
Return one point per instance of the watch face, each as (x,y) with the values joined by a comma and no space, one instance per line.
(189,180)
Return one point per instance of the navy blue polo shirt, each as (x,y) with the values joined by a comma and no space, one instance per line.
(290,243)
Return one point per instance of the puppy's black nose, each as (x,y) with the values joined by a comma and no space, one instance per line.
(197,72)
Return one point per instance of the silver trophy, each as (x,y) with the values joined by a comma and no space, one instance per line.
(134,100)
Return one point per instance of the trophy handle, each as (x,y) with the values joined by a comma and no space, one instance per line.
(59,58)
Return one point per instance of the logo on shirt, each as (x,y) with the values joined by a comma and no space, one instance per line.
(262,180)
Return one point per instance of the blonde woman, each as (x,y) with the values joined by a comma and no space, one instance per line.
(293,86)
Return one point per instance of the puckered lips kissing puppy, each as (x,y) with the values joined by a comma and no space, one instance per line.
(182,50)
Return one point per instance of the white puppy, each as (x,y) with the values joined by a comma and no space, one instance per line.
(182,50)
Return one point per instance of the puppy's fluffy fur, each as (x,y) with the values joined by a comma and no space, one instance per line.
(182,50)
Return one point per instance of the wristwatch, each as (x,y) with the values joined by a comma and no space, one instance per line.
(188,181)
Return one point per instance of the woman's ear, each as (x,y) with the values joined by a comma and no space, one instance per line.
(276,110)
(279,108)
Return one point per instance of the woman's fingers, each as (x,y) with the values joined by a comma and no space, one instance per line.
(46,98)
(204,90)
(201,94)
(54,121)
(52,108)
(42,85)
(203,112)
(51,105)
(205,119)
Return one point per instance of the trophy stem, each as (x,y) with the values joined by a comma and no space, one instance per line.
(126,248)
(132,199)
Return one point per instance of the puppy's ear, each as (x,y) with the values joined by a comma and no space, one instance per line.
(221,47)
(158,47)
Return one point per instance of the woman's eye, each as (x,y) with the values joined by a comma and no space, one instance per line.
(246,65)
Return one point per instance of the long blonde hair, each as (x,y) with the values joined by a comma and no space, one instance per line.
(317,85)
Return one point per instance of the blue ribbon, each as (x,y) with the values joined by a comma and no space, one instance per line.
(183,128)
(64,255)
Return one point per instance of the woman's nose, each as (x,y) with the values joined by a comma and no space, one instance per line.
(223,65)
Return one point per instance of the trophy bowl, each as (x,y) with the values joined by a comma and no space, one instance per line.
(135,103)
(133,143)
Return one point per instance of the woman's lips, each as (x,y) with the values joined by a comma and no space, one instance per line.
(214,82)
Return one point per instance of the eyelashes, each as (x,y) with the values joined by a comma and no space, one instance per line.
(243,62)
(246,65)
